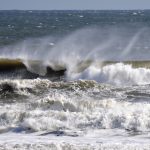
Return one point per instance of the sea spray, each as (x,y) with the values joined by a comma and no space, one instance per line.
(81,47)
(129,48)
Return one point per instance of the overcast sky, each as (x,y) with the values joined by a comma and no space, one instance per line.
(74,4)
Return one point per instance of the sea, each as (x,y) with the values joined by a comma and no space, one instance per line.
(75,80)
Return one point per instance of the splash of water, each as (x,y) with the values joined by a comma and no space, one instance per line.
(86,45)
(117,74)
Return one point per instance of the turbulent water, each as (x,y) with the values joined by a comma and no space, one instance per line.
(75,80)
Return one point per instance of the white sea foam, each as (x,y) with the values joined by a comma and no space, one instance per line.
(107,137)
(74,110)
(34,142)
(84,112)
(117,74)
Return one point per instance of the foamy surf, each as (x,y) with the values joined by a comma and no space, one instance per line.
(73,115)
(116,74)
(60,143)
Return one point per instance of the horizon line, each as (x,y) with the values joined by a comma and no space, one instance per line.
(70,9)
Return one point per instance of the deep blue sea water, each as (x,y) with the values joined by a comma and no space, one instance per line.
(16,25)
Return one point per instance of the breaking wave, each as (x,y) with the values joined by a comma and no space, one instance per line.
(117,74)
(76,55)
(71,106)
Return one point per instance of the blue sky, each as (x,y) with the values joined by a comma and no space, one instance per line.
(74,4)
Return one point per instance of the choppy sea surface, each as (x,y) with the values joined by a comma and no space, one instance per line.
(73,80)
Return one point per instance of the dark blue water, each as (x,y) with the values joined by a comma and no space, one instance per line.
(17,25)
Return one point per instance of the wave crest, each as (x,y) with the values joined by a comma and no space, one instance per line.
(117,74)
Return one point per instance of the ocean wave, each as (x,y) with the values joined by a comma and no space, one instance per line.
(111,72)
(64,114)
(78,51)
(116,74)
(76,105)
